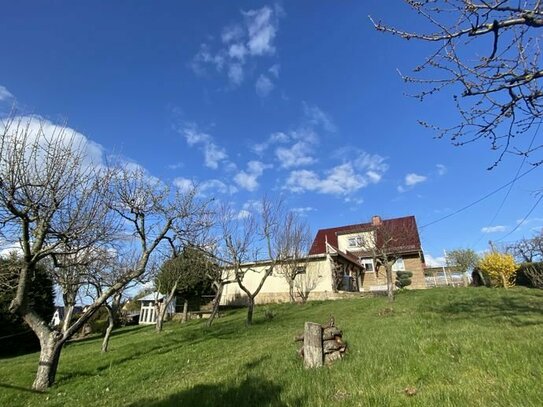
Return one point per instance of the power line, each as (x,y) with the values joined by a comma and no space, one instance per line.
(480,199)
(523,219)
(511,186)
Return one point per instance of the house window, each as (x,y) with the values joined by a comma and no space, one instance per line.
(398,265)
(300,270)
(368,265)
(355,241)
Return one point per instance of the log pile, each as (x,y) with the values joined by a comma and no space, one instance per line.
(322,344)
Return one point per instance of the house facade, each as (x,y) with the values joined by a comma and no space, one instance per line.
(341,260)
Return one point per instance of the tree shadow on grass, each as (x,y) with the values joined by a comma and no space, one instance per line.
(253,391)
(518,310)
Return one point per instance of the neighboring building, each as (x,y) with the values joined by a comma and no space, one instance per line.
(58,316)
(343,259)
(148,309)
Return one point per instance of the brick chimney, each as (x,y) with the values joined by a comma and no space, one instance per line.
(376,220)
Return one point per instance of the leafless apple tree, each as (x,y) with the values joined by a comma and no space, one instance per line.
(249,243)
(54,203)
(292,246)
(488,53)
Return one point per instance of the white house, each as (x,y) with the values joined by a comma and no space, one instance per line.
(341,260)
(148,309)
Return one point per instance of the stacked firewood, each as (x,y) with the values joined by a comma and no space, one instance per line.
(322,343)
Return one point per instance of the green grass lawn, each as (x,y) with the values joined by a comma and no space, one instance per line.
(456,347)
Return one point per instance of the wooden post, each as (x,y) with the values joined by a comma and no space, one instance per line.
(313,354)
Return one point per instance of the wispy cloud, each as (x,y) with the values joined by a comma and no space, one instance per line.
(183,184)
(441,169)
(251,38)
(248,179)
(315,116)
(303,211)
(263,86)
(343,179)
(213,154)
(414,179)
(410,181)
(5,95)
(494,229)
(432,261)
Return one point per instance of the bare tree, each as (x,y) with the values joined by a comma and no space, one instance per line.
(305,283)
(500,89)
(293,242)
(48,196)
(52,196)
(250,241)
(386,242)
(527,249)
(105,270)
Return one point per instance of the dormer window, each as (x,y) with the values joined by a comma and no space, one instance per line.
(355,241)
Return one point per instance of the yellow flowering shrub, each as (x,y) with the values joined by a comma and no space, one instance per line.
(500,267)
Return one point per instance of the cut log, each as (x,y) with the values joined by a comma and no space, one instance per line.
(331,346)
(331,357)
(299,338)
(313,354)
(331,332)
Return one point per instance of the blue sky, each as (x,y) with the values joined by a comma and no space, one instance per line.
(248,98)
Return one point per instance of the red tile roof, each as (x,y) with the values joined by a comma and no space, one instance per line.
(404,231)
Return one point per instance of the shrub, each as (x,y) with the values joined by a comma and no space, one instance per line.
(529,275)
(403,279)
(500,267)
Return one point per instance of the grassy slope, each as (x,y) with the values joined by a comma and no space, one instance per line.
(461,347)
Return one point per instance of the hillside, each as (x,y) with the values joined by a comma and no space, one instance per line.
(462,347)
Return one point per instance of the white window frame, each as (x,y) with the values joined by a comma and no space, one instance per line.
(368,261)
(399,265)
(355,241)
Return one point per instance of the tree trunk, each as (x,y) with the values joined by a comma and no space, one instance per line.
(216,304)
(185,311)
(390,283)
(111,325)
(69,304)
(291,290)
(51,347)
(160,314)
(250,310)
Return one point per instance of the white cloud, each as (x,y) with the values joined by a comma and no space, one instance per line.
(494,229)
(296,155)
(183,184)
(441,169)
(216,185)
(243,214)
(5,94)
(275,138)
(239,42)
(237,51)
(274,70)
(262,27)
(303,211)
(213,154)
(317,117)
(43,131)
(235,74)
(414,179)
(263,86)
(232,33)
(248,179)
(343,179)
(432,261)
